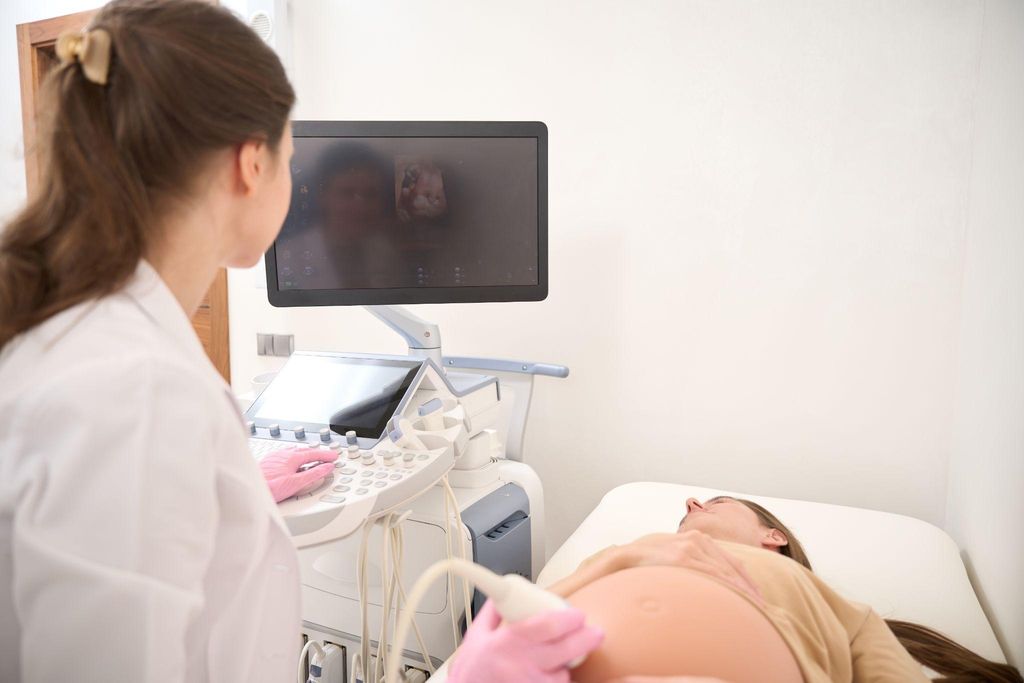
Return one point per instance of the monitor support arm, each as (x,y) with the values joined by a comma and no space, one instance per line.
(515,377)
(423,338)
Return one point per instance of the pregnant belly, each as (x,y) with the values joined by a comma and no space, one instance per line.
(667,621)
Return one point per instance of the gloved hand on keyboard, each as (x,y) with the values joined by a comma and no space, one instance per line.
(281,469)
(535,650)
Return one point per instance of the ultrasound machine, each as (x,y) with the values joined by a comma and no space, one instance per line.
(430,446)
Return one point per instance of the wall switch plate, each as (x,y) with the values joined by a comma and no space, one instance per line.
(264,344)
(284,344)
(275,344)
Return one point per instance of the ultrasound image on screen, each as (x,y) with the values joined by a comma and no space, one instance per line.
(383,213)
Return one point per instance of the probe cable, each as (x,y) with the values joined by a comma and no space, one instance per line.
(465,569)
(393,540)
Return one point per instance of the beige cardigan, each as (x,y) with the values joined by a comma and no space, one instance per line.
(833,639)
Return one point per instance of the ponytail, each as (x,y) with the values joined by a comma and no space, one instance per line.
(955,662)
(185,79)
(84,231)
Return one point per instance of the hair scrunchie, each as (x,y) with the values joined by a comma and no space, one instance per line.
(91,49)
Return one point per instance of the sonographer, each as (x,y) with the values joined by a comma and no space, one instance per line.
(138,541)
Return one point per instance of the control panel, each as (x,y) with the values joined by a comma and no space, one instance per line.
(428,431)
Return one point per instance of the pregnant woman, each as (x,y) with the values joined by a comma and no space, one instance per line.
(731,597)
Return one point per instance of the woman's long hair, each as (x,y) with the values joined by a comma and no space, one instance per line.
(186,79)
(955,662)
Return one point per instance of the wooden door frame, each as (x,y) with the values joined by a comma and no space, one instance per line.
(36,43)
(36,53)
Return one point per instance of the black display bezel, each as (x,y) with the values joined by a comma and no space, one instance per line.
(425,295)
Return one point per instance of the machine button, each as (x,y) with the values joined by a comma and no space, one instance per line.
(325,434)
(353,452)
(366,482)
(350,437)
(346,480)
(381,475)
(368,458)
(342,489)
(251,426)
(349,470)
(335,445)
(331,498)
(361,491)
(395,477)
(422,456)
(408,457)
(315,486)
(275,430)
(409,465)
(300,432)
(430,406)
(381,484)
(338,465)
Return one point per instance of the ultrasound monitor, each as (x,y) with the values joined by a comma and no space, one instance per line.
(413,212)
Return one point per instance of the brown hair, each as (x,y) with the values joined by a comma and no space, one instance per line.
(186,79)
(929,647)
(793,549)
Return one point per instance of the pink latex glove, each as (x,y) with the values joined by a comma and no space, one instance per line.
(669,679)
(281,469)
(535,650)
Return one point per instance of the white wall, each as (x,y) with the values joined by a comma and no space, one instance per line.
(757,230)
(986,496)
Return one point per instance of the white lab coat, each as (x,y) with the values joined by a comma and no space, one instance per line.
(138,539)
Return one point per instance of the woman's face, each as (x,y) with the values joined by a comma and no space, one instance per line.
(353,202)
(727,519)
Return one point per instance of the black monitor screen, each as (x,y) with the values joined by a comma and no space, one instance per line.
(381,213)
(408,213)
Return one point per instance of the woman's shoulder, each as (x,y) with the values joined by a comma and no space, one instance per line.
(783,579)
(767,565)
(100,343)
(758,554)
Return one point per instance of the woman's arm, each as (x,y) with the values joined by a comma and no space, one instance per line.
(606,562)
(690,550)
(879,657)
(115,539)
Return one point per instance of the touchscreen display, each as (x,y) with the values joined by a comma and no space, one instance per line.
(359,394)
(393,212)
